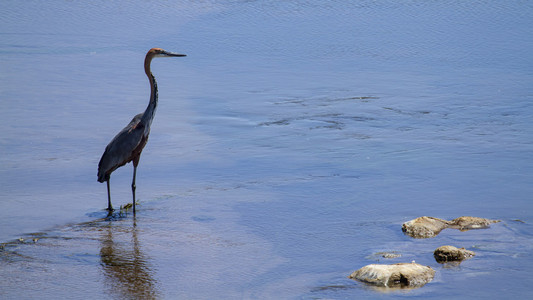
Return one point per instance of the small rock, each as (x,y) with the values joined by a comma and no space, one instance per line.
(387,255)
(395,275)
(450,253)
(424,227)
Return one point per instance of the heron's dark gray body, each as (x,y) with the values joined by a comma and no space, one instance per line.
(123,148)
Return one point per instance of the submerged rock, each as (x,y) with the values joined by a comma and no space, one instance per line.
(395,275)
(450,253)
(427,227)
(388,255)
(384,255)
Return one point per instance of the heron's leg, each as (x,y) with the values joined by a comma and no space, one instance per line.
(109,207)
(133,186)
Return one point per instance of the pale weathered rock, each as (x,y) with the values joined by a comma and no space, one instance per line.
(424,227)
(450,253)
(395,275)
(427,227)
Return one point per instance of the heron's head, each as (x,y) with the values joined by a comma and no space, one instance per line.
(158,52)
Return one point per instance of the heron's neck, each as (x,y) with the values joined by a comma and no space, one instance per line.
(149,113)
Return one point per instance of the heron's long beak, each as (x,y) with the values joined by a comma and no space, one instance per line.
(173,54)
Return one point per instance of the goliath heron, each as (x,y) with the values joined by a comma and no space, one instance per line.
(128,144)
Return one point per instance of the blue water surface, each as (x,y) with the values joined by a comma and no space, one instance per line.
(288,147)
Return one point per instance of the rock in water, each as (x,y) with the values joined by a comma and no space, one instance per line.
(427,227)
(424,227)
(450,253)
(467,223)
(395,275)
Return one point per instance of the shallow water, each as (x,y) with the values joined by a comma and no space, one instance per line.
(289,146)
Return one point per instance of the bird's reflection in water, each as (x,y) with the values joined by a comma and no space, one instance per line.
(125,267)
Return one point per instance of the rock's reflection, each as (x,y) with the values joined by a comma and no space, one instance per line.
(125,267)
